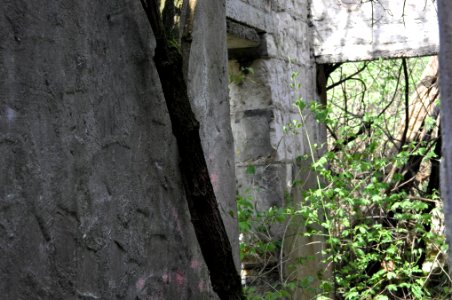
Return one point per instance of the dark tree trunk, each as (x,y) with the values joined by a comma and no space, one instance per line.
(206,218)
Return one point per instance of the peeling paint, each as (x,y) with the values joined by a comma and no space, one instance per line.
(180,278)
(202,286)
(177,221)
(195,264)
(140,284)
(214,179)
(166,278)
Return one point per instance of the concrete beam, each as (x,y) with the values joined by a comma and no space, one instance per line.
(241,36)
(352,30)
(246,14)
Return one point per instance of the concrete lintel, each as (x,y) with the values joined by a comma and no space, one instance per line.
(249,15)
(352,30)
(241,36)
(245,43)
(366,53)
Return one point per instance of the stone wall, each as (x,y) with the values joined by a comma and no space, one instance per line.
(262,104)
(91,200)
(350,30)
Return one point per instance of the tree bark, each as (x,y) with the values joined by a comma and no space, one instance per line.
(206,218)
(422,104)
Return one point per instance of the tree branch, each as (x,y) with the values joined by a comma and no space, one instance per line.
(407,97)
(346,78)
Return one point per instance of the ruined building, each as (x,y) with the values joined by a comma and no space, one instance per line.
(279,38)
(91,200)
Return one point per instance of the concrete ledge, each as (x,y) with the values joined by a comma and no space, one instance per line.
(352,30)
(244,42)
(249,15)
(241,36)
(360,53)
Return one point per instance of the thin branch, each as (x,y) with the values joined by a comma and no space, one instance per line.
(347,78)
(407,98)
(393,95)
(403,13)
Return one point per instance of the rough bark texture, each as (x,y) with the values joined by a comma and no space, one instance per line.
(205,214)
(445,65)
(422,104)
(91,198)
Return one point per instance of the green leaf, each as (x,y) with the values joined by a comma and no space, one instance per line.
(251,170)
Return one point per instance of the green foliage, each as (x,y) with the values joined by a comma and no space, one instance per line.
(372,235)
(256,225)
(257,243)
(383,234)
(240,76)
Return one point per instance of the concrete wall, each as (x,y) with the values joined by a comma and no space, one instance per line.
(445,63)
(207,83)
(350,30)
(262,104)
(91,203)
(91,200)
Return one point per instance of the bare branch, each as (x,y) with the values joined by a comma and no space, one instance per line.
(407,109)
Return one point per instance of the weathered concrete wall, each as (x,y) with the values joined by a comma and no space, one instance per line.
(207,82)
(91,201)
(262,104)
(445,64)
(350,30)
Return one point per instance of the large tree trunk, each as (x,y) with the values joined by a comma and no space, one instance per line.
(422,104)
(445,62)
(415,128)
